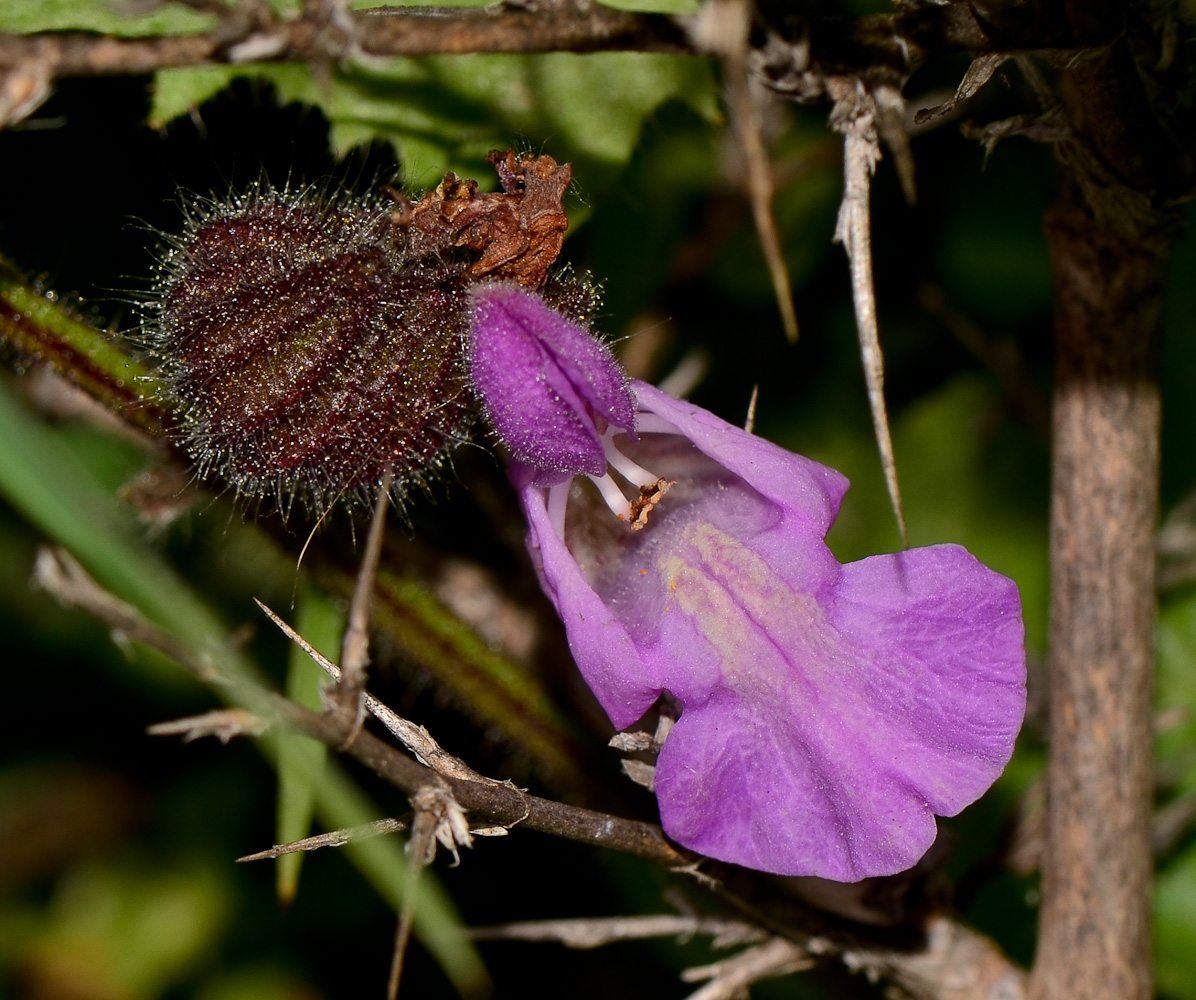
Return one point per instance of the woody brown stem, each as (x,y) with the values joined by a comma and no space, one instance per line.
(1110,233)
(1095,925)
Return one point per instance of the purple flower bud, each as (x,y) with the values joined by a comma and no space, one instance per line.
(544,382)
(829,712)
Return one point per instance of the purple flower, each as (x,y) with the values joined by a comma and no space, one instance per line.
(828,712)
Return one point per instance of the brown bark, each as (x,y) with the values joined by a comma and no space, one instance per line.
(1095,928)
(1122,170)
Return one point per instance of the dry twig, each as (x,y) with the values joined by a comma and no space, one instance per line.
(594,932)
(223,723)
(722,28)
(979,73)
(927,974)
(431,808)
(415,738)
(337,838)
(347,701)
(732,976)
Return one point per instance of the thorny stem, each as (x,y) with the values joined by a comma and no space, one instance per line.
(348,698)
(930,972)
(415,738)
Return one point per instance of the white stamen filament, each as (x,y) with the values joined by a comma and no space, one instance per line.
(619,504)
(647,488)
(635,474)
(557,503)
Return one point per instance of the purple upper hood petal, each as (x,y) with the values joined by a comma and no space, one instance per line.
(542,380)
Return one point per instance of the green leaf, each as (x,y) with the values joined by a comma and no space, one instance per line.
(599,103)
(101,16)
(177,92)
(1175,687)
(682,7)
(300,758)
(57,492)
(446,112)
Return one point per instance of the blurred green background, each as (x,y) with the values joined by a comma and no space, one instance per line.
(117,879)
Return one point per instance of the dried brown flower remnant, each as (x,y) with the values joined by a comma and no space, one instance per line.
(518,230)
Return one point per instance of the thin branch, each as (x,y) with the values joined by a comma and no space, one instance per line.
(337,838)
(58,573)
(348,702)
(854,115)
(953,963)
(979,73)
(826,45)
(930,973)
(495,802)
(415,738)
(223,723)
(723,29)
(594,932)
(732,976)
(574,26)
(421,849)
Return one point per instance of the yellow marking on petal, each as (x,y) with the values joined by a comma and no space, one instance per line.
(758,624)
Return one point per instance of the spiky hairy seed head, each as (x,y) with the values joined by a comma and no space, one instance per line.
(315,347)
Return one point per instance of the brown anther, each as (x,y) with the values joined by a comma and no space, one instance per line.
(649,497)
